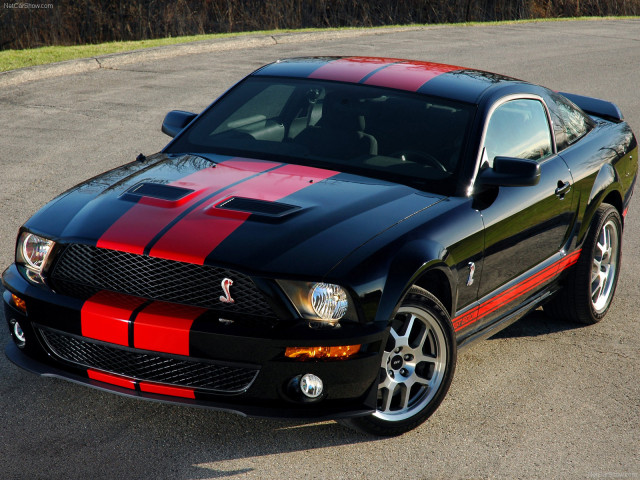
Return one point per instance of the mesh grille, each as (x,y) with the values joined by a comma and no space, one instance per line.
(149,367)
(83,270)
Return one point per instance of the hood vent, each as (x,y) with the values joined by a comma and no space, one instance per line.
(258,207)
(157,190)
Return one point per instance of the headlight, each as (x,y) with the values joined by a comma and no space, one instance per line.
(321,302)
(33,252)
(328,301)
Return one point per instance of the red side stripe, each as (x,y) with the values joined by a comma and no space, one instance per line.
(194,237)
(143,221)
(105,316)
(465,319)
(408,76)
(112,379)
(164,327)
(351,69)
(167,390)
(511,294)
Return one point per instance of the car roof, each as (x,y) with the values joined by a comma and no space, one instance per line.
(436,79)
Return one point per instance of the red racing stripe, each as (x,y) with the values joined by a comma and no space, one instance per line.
(352,69)
(164,327)
(167,390)
(143,221)
(513,293)
(148,387)
(408,75)
(105,316)
(112,379)
(195,236)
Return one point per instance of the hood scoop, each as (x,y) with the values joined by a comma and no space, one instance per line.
(258,207)
(157,191)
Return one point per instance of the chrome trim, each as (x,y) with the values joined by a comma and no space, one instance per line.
(502,101)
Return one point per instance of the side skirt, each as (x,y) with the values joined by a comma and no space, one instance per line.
(507,320)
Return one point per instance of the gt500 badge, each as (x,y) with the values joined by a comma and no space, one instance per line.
(226,285)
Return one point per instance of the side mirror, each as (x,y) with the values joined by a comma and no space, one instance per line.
(509,172)
(175,121)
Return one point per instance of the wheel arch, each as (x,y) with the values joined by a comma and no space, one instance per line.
(606,189)
(420,264)
(614,198)
(439,284)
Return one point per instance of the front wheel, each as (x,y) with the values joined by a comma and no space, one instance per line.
(417,366)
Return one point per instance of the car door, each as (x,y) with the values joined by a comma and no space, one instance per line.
(526,226)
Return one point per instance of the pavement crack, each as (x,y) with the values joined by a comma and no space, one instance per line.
(611,352)
(72,111)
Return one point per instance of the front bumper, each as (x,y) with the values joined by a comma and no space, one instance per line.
(59,345)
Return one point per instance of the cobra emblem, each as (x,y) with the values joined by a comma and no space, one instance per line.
(226,286)
(472,271)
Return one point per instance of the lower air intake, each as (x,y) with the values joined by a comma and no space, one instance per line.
(149,366)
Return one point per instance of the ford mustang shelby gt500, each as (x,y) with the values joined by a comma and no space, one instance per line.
(323,239)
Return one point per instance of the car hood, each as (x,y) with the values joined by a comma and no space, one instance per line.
(257,216)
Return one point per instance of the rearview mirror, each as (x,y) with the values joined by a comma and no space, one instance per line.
(509,172)
(175,121)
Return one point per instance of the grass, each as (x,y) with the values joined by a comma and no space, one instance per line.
(13,59)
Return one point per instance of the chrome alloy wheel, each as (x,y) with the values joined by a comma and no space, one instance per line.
(604,266)
(413,364)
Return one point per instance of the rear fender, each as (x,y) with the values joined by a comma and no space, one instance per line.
(606,185)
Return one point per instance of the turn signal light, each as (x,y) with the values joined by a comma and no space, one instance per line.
(307,353)
(19,303)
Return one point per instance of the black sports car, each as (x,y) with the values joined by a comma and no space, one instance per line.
(324,238)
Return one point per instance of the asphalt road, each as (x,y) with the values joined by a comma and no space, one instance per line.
(541,400)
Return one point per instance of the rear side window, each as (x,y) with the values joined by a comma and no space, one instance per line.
(570,123)
(520,129)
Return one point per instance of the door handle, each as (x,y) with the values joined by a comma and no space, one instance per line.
(563,189)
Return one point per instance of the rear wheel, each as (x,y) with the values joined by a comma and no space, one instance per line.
(417,367)
(592,282)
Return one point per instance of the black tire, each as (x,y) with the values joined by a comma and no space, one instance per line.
(417,367)
(591,283)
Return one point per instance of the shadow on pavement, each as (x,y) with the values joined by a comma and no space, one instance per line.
(535,324)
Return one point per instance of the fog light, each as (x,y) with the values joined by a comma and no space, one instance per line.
(311,386)
(18,333)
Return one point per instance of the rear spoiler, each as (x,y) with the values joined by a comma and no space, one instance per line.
(597,107)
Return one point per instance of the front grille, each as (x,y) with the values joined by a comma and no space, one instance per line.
(148,366)
(82,270)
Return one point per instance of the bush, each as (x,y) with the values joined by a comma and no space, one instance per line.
(98,21)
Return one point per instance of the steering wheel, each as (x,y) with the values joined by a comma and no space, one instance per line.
(420,157)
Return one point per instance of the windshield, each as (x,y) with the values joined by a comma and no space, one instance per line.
(379,132)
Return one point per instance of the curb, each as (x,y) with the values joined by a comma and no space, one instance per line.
(115,60)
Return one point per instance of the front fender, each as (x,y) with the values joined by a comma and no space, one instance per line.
(407,267)
(433,249)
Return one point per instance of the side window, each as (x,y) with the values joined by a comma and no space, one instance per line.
(572,123)
(518,128)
